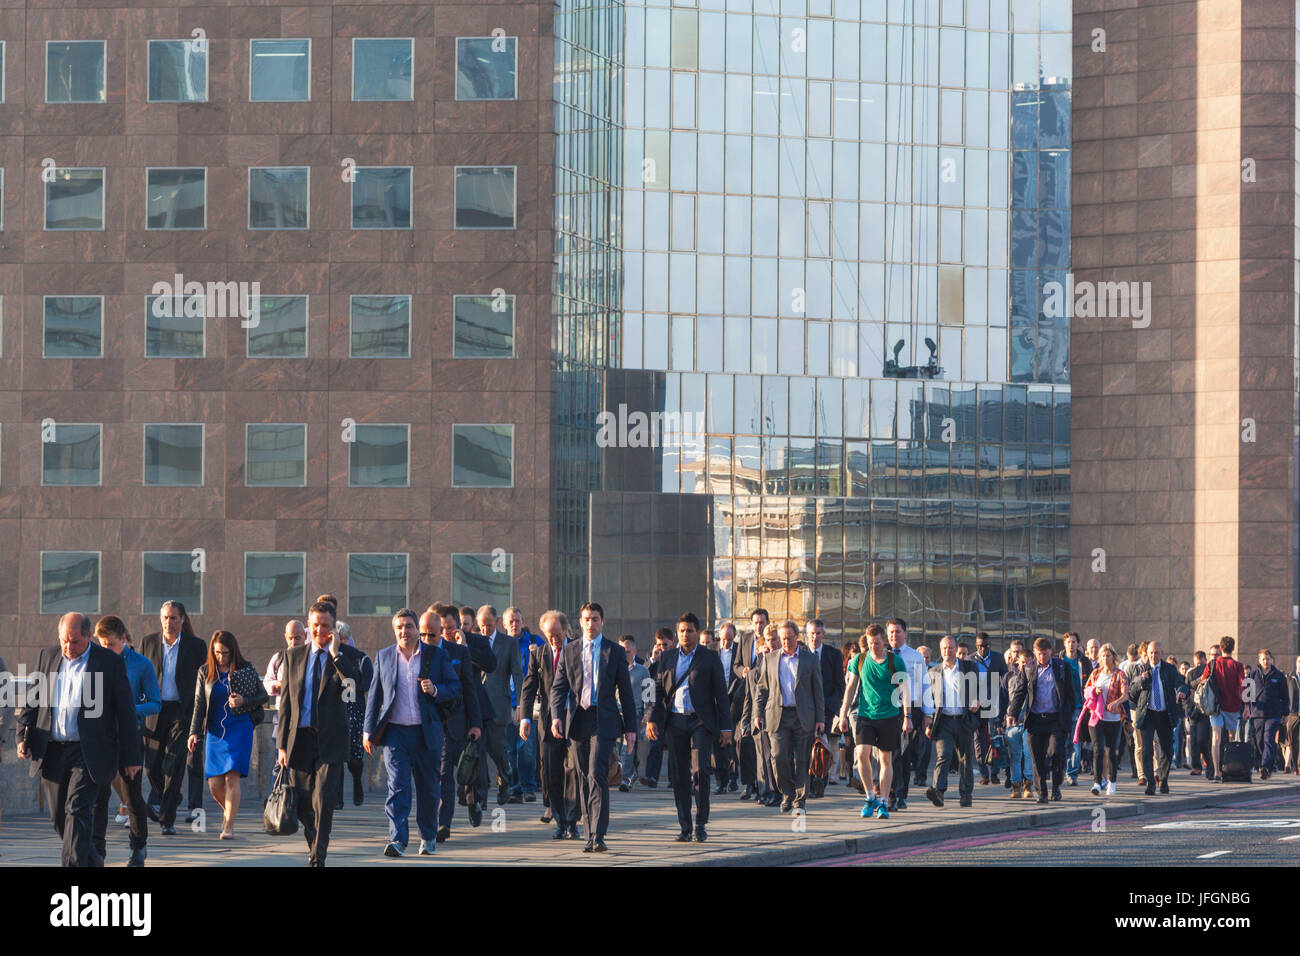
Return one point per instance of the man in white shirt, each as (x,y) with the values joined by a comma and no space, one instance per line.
(922,709)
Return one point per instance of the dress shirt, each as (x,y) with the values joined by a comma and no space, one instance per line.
(67,697)
(308,685)
(590,667)
(1157,692)
(170,653)
(787,670)
(406,702)
(1046,699)
(682,699)
(916,678)
(952,679)
(725,653)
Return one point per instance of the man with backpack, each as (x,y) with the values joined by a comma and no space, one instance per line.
(1224,677)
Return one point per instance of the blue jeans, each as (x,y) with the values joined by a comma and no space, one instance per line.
(1074,761)
(525,775)
(1021,766)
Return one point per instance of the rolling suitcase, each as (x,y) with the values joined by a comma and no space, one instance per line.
(1238,759)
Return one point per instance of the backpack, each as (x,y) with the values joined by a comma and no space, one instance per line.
(1206,698)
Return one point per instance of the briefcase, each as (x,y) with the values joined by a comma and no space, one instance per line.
(615,774)
(467,765)
(280,814)
(1238,761)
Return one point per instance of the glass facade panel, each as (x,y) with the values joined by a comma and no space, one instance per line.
(381,326)
(274,583)
(277,197)
(176,198)
(377,584)
(172,332)
(379,456)
(478,579)
(71,455)
(70,582)
(178,71)
(485,197)
(279,71)
(381,69)
(73,326)
(483,456)
(74,71)
(171,576)
(485,68)
(173,455)
(281,327)
(74,199)
(381,197)
(275,456)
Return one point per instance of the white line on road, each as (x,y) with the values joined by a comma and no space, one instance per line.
(1211,856)
(1284,839)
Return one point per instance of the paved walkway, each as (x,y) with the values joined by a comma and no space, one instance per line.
(642,827)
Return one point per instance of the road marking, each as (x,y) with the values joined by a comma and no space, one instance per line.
(1211,856)
(1197,824)
(1284,839)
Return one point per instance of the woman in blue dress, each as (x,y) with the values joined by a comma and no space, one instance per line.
(228,700)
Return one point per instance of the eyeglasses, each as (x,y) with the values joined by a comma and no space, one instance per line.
(427,633)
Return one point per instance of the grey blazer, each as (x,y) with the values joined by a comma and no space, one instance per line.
(497,683)
(809,699)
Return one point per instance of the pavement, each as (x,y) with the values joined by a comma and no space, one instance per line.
(643,824)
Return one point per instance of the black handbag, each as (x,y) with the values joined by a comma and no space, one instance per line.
(280,815)
(467,765)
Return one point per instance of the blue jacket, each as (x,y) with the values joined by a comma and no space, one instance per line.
(435,665)
(144,684)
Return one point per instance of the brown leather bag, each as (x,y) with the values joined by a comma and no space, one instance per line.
(615,775)
(819,764)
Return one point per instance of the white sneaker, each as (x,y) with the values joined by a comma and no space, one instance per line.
(1110,789)
(1096,789)
(121,818)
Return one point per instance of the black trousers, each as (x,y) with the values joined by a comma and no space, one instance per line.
(451,751)
(560,786)
(498,746)
(72,795)
(690,748)
(1157,726)
(1106,736)
(1047,741)
(983,744)
(317,786)
(591,753)
(1291,728)
(169,754)
(195,781)
(136,810)
(905,758)
(747,759)
(1265,732)
(1202,742)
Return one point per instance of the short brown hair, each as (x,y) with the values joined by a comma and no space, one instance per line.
(324,607)
(1226,644)
(1043,644)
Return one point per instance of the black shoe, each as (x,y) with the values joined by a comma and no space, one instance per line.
(893,803)
(994,778)
(1042,798)
(573,831)
(1150,790)
(502,797)
(787,805)
(546,815)
(719,789)
(168,830)
(623,788)
(934,796)
(748,792)
(902,804)
(1164,786)
(600,845)
(684,837)
(358,792)
(590,847)
(1007,783)
(560,832)
(773,799)
(530,798)
(154,813)
(394,850)
(443,834)
(733,786)
(475,815)
(964,801)
(137,857)
(340,805)
(651,783)
(1056,793)
(701,834)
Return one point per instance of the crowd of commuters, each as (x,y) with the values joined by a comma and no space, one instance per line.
(473,696)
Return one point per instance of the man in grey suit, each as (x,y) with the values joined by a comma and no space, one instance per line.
(954,688)
(791,708)
(499,731)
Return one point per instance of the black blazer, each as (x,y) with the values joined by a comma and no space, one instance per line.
(245,682)
(538,685)
(485,662)
(331,709)
(1293,693)
(1022,700)
(566,690)
(456,725)
(110,738)
(1139,691)
(832,680)
(191,656)
(707,685)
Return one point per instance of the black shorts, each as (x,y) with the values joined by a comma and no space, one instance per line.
(882,734)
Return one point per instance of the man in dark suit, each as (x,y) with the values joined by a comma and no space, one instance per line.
(724,758)
(1154,708)
(176,655)
(560,785)
(1046,697)
(691,709)
(312,738)
(497,732)
(412,681)
(484,661)
(991,662)
(584,709)
(760,740)
(832,668)
(664,639)
(80,722)
(462,721)
(955,690)
(791,707)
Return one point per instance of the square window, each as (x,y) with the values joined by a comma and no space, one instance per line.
(173,455)
(475,582)
(280,327)
(274,583)
(485,326)
(483,456)
(176,198)
(275,456)
(69,582)
(70,456)
(381,197)
(75,199)
(486,68)
(278,197)
(279,71)
(74,71)
(381,326)
(376,584)
(171,576)
(485,197)
(381,69)
(178,71)
(74,326)
(173,326)
(379,456)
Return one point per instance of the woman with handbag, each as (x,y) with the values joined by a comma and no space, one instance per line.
(228,699)
(1103,703)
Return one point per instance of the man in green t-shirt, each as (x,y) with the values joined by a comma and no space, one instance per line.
(881,699)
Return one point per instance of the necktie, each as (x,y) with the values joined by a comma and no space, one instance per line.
(555,664)
(1157,692)
(315,685)
(586,673)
